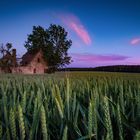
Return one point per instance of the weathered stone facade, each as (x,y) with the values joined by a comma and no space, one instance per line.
(31,64)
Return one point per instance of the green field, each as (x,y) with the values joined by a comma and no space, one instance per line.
(70,105)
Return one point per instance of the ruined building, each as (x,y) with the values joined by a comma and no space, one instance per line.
(30,63)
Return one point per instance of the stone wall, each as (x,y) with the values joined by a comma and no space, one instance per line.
(36,66)
(23,70)
(29,70)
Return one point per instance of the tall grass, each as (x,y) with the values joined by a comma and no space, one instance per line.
(77,106)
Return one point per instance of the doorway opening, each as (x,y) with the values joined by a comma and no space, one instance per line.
(34,70)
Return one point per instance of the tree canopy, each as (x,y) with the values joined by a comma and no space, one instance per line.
(53,42)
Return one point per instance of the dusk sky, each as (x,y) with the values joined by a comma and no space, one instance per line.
(103,32)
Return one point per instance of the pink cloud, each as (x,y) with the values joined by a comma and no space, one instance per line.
(134,60)
(75,25)
(135,41)
(91,60)
(96,57)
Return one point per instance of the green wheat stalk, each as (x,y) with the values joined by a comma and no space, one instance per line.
(21,123)
(65,133)
(58,100)
(12,124)
(0,130)
(137,136)
(119,122)
(43,123)
(90,116)
(108,120)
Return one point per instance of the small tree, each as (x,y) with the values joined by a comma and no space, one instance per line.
(6,57)
(54,44)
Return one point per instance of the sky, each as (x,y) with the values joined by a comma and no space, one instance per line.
(103,32)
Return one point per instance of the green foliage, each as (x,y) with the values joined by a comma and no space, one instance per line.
(72,106)
(5,60)
(54,43)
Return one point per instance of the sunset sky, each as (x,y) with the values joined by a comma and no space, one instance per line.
(103,32)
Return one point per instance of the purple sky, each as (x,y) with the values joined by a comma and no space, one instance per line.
(103,32)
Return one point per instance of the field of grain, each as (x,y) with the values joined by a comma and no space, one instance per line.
(62,106)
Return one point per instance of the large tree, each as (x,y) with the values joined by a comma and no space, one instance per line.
(54,43)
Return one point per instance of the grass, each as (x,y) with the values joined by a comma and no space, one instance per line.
(70,105)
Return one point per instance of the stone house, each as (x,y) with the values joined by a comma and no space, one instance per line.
(31,63)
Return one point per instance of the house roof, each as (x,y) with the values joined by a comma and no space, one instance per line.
(29,56)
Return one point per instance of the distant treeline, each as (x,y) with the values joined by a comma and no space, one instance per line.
(116,68)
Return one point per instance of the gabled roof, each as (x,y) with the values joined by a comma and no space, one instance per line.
(28,57)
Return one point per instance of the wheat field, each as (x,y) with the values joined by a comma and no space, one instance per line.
(70,106)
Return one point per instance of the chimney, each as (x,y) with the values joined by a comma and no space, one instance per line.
(14,57)
(14,52)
